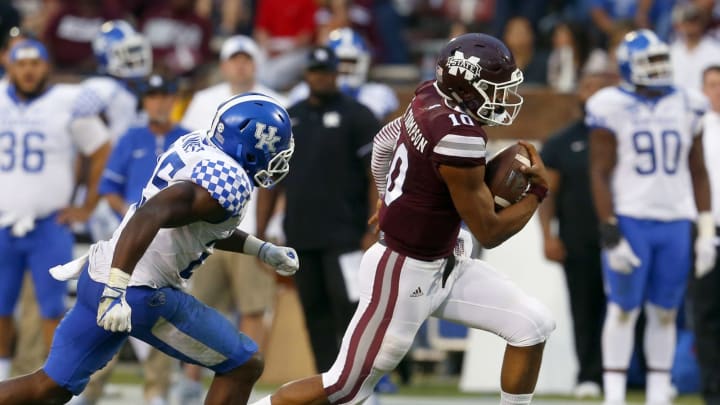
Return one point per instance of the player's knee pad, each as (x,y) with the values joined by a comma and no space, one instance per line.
(539,324)
(618,315)
(392,351)
(660,316)
(659,337)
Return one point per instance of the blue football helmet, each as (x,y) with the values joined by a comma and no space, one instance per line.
(255,131)
(121,51)
(644,60)
(353,54)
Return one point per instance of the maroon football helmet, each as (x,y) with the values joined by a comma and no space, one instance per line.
(478,72)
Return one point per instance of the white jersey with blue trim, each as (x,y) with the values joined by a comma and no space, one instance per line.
(651,179)
(113,101)
(175,252)
(38,144)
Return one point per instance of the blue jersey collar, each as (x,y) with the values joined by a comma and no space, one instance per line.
(648,100)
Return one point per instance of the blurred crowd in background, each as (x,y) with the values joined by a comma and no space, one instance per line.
(553,40)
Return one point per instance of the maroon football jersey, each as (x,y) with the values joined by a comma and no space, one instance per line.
(418,216)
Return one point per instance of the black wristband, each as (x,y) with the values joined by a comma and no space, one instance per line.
(609,235)
(538,191)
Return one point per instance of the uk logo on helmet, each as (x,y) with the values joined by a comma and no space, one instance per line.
(458,64)
(266,138)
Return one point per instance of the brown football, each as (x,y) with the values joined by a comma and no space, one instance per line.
(503,176)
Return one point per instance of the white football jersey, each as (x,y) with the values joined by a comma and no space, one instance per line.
(175,252)
(711,147)
(110,99)
(651,179)
(377,97)
(38,144)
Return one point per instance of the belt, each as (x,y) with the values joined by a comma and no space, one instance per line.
(447,270)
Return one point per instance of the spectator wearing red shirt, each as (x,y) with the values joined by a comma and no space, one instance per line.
(70,32)
(284,30)
(178,35)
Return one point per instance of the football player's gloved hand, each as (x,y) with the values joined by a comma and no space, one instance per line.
(283,259)
(705,246)
(113,310)
(19,225)
(620,256)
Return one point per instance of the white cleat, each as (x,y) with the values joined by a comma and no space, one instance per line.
(587,389)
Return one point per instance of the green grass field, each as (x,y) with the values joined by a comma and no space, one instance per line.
(424,385)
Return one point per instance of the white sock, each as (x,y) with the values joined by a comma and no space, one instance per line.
(515,399)
(657,388)
(618,336)
(614,386)
(5,363)
(659,339)
(263,401)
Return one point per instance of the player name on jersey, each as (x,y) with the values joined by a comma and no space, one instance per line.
(416,137)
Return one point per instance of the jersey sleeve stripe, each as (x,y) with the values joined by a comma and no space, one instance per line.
(455,152)
(472,141)
(461,146)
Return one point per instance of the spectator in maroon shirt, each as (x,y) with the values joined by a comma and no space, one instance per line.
(70,32)
(178,35)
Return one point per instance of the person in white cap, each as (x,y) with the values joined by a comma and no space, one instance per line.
(233,283)
(239,60)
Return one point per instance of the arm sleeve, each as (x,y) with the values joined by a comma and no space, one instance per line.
(114,176)
(383,147)
(89,133)
(226,183)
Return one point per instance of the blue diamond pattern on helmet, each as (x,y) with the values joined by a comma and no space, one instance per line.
(225,183)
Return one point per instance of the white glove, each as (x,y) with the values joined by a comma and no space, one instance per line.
(705,253)
(705,250)
(69,271)
(283,259)
(621,258)
(21,224)
(113,311)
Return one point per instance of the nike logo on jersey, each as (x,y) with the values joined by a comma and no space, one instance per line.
(417,293)
(331,119)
